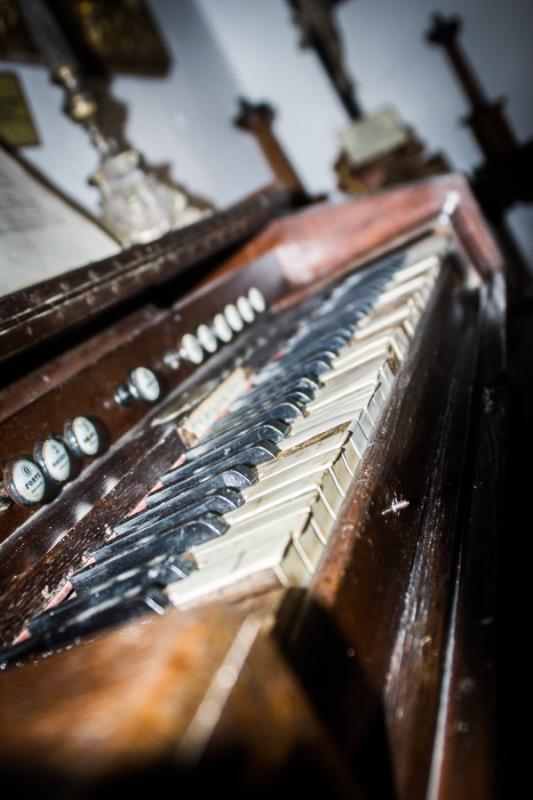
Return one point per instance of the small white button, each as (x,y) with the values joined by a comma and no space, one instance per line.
(25,482)
(222,329)
(257,300)
(245,309)
(144,384)
(207,338)
(82,436)
(191,350)
(233,317)
(53,458)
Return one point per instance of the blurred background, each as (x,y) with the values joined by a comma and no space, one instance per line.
(219,50)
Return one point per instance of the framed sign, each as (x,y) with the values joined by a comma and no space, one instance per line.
(118,36)
(17,128)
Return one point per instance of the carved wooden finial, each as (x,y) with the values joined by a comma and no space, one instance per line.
(257,118)
(316,22)
(254,115)
(443,30)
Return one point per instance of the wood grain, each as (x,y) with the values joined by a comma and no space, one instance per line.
(206,692)
(309,244)
(48,309)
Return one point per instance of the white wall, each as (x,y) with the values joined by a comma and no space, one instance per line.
(261,44)
(388,57)
(386,50)
(183,119)
(223,48)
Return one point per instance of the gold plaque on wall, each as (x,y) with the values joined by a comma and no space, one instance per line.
(16,124)
(117,36)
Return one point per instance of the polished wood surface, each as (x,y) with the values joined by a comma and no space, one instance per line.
(309,244)
(176,696)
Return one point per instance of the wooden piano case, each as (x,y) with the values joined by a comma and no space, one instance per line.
(378,680)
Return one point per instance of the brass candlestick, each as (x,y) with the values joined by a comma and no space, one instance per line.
(136,206)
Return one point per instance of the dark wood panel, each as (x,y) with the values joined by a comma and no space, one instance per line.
(48,309)
(57,370)
(379,601)
(203,699)
(467,758)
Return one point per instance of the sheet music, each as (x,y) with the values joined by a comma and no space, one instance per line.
(41,236)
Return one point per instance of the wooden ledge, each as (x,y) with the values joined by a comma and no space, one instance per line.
(311,243)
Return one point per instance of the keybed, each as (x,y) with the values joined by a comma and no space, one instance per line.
(255,500)
(289,514)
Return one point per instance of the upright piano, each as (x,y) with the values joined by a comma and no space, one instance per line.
(250,507)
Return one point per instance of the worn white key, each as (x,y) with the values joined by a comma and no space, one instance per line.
(289,518)
(386,377)
(352,382)
(255,506)
(315,429)
(401,291)
(238,565)
(329,416)
(304,470)
(369,415)
(287,460)
(342,473)
(309,547)
(356,354)
(400,344)
(383,322)
(428,268)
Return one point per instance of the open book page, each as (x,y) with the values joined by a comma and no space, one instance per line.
(41,236)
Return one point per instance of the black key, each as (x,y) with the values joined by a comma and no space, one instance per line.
(168,518)
(236,478)
(314,367)
(90,619)
(250,449)
(263,431)
(280,411)
(173,542)
(117,589)
(247,442)
(305,385)
(328,324)
(277,394)
(159,571)
(309,346)
(247,456)
(298,395)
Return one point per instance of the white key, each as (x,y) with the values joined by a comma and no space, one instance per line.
(402,290)
(317,428)
(254,507)
(346,384)
(237,565)
(303,469)
(358,353)
(288,518)
(291,458)
(327,418)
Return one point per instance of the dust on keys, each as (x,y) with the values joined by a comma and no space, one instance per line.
(255,501)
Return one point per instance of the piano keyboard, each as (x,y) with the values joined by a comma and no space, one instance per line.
(254,502)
